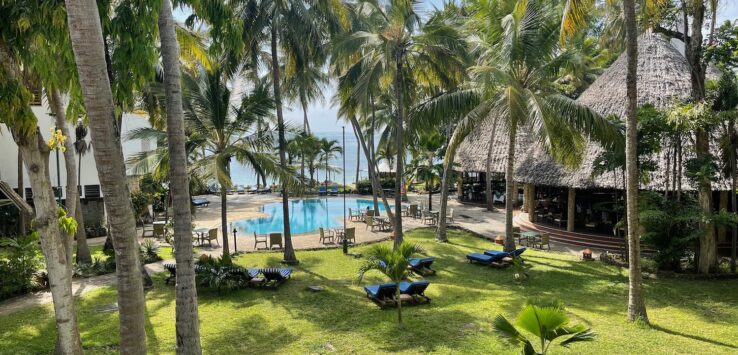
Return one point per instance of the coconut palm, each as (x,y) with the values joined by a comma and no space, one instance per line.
(81,147)
(305,84)
(328,151)
(227,133)
(547,324)
(89,52)
(297,30)
(393,263)
(513,81)
(401,49)
(187,320)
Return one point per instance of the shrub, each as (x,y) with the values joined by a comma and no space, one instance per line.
(670,226)
(18,268)
(220,274)
(149,251)
(364,187)
(99,266)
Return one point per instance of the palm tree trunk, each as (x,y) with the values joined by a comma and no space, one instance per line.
(488,168)
(289,251)
(399,92)
(373,176)
(636,303)
(224,219)
(55,103)
(87,42)
(358,155)
(21,192)
(372,157)
(510,190)
(448,162)
(83,249)
(187,320)
(733,186)
(399,302)
(306,123)
(53,243)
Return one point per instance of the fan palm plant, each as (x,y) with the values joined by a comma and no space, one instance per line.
(547,324)
(514,81)
(393,263)
(401,52)
(227,133)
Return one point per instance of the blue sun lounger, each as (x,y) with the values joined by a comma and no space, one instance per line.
(486,259)
(273,277)
(422,266)
(334,191)
(322,191)
(416,290)
(198,202)
(383,295)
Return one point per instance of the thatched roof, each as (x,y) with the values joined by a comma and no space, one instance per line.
(472,152)
(663,79)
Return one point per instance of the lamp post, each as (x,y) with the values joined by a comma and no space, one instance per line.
(235,247)
(343,152)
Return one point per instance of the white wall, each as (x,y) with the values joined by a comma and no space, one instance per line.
(9,150)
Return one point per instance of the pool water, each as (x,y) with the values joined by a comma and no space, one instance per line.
(306,215)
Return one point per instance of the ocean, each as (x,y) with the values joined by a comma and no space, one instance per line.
(243,175)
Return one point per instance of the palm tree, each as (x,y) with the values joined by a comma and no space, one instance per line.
(426,170)
(81,147)
(393,263)
(227,133)
(411,53)
(305,84)
(513,81)
(187,320)
(546,323)
(328,150)
(636,303)
(298,29)
(89,52)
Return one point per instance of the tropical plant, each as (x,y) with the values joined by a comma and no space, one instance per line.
(225,132)
(402,53)
(150,251)
(328,151)
(18,264)
(519,61)
(393,263)
(546,323)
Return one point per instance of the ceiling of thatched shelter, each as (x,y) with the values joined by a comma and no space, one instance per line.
(472,152)
(663,79)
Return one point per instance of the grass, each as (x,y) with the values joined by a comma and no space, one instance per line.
(687,316)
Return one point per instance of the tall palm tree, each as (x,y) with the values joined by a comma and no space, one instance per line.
(513,81)
(81,147)
(409,53)
(393,263)
(298,29)
(227,133)
(89,52)
(636,303)
(187,320)
(305,83)
(328,151)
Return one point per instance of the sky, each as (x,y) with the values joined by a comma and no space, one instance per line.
(323,116)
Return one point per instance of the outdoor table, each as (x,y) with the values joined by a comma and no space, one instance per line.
(338,232)
(200,234)
(529,236)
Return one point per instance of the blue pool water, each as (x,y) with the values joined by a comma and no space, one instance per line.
(306,215)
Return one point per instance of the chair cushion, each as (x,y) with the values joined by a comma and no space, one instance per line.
(421,262)
(494,252)
(382,290)
(517,252)
(479,258)
(413,288)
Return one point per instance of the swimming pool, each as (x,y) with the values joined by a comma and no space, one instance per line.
(306,215)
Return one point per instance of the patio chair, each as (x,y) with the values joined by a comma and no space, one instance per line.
(160,230)
(428,217)
(240,190)
(371,222)
(383,295)
(210,237)
(275,239)
(543,241)
(404,210)
(450,216)
(350,235)
(334,191)
(354,215)
(412,211)
(260,239)
(172,268)
(322,191)
(422,266)
(148,230)
(324,237)
(416,291)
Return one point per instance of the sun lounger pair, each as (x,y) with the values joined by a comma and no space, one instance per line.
(384,295)
(422,266)
(198,202)
(493,257)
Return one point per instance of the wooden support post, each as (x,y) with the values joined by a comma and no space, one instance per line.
(724,195)
(525,198)
(531,198)
(571,208)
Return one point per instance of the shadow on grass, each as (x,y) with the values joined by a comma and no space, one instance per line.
(693,337)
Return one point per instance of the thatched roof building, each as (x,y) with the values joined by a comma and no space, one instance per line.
(663,80)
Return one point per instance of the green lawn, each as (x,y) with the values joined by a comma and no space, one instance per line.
(687,316)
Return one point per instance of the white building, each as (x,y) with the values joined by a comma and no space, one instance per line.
(89,182)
